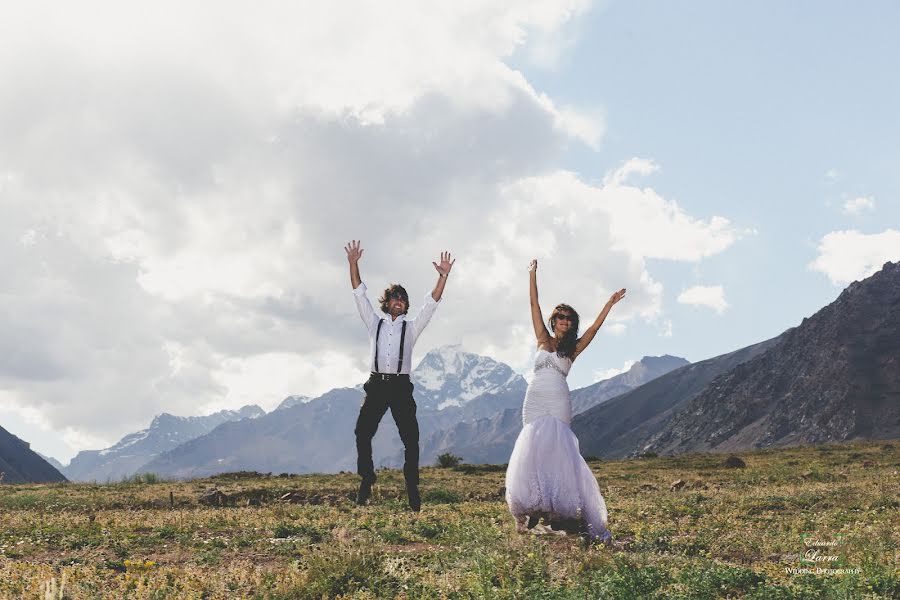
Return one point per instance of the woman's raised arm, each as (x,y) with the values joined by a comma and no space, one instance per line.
(591,331)
(540,331)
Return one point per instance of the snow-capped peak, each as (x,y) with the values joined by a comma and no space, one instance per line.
(450,376)
(292,401)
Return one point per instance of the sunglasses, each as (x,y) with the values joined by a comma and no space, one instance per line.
(397,296)
(563,317)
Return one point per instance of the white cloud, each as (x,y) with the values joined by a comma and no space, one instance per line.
(80,439)
(711,296)
(602,374)
(639,166)
(639,221)
(266,379)
(28,238)
(667,329)
(551,40)
(365,58)
(846,256)
(581,124)
(28,414)
(171,233)
(31,425)
(616,329)
(645,223)
(857,206)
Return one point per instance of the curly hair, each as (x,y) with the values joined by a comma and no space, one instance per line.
(385,298)
(565,347)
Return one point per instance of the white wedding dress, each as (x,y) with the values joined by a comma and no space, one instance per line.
(547,475)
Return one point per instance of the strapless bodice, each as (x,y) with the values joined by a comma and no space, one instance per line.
(551,360)
(548,390)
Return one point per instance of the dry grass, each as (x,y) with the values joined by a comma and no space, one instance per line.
(733,535)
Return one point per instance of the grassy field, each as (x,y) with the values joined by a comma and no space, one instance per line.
(727,533)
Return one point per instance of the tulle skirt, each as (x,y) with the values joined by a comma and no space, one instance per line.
(548,476)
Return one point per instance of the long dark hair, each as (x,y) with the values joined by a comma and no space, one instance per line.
(565,346)
(394,287)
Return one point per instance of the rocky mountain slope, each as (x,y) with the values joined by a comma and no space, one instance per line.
(835,377)
(644,370)
(20,464)
(623,425)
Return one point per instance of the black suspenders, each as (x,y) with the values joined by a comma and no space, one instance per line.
(402,340)
(377,334)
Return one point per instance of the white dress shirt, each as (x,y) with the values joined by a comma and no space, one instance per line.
(389,339)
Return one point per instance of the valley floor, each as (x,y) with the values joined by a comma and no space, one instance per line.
(816,522)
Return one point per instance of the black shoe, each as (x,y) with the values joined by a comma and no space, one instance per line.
(365,492)
(415,500)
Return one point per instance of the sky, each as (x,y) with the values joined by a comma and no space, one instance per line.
(177,184)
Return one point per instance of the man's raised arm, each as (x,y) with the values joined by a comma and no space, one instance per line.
(431,300)
(366,312)
(443,270)
(354,253)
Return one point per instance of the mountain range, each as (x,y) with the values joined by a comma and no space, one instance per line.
(833,377)
(165,432)
(452,387)
(317,435)
(455,392)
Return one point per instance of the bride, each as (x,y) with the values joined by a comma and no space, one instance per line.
(547,477)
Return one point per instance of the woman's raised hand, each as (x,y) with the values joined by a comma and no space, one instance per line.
(532,266)
(616,296)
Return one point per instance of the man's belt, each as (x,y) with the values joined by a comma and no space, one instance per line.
(388,376)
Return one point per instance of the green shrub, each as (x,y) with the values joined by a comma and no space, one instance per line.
(447,460)
(142,478)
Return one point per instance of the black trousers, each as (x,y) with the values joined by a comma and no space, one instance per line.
(395,394)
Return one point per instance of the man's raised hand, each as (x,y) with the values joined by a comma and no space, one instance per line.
(354,251)
(444,268)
